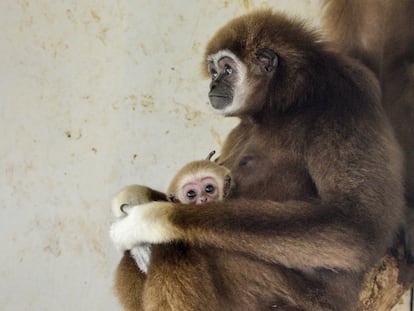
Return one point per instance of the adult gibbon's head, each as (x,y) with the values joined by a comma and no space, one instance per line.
(259,61)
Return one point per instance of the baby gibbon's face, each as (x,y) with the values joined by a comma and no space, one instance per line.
(200,191)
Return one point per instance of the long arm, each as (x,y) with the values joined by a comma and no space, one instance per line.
(295,234)
(341,230)
(348,226)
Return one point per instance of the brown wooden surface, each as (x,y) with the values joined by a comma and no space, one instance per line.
(387,283)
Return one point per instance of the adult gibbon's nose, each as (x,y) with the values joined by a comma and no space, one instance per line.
(213,85)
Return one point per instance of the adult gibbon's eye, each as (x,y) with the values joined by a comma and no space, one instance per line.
(213,73)
(210,189)
(227,69)
(191,194)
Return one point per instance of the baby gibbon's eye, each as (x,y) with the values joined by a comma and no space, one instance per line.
(210,188)
(191,194)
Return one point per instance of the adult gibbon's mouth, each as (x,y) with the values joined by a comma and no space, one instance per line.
(220,101)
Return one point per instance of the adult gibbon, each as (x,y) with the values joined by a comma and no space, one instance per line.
(318,196)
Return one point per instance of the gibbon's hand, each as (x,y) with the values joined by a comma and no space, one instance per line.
(147,223)
(128,197)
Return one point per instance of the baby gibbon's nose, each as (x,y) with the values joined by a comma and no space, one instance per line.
(202,199)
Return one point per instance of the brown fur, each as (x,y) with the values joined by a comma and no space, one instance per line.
(179,264)
(380,33)
(129,284)
(319,193)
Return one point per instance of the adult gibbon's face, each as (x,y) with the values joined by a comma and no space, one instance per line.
(227,77)
(233,84)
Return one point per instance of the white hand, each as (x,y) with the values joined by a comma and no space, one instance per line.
(147,223)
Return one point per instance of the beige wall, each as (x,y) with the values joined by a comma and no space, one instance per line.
(95,95)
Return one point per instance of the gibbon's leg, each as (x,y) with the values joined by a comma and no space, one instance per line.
(129,284)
